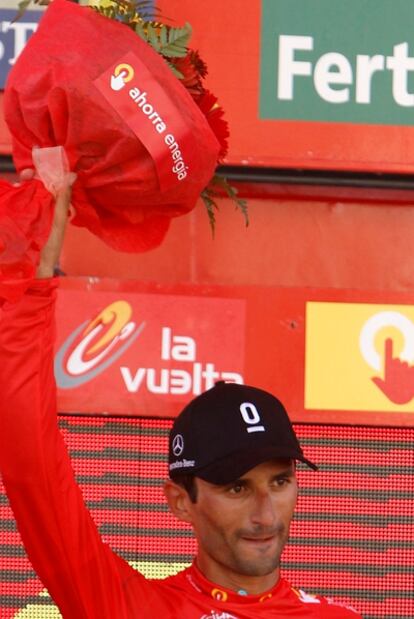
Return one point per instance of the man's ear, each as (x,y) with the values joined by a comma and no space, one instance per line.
(178,500)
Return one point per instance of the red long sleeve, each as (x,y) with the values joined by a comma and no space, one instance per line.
(81,573)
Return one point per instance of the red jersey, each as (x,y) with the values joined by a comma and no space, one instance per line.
(85,578)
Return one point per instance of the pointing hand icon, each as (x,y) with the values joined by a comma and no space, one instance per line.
(118,81)
(398,382)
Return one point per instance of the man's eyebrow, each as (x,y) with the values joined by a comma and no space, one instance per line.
(239,480)
(290,472)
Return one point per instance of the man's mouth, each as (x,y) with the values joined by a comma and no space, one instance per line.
(259,540)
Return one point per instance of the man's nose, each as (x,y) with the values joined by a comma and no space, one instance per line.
(263,512)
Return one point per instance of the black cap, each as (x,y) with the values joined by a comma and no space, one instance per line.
(228,430)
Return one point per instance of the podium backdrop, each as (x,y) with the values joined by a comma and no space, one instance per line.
(351,538)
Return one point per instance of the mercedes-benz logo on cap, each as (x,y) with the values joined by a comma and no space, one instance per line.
(178,445)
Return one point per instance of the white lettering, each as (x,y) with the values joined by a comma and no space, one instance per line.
(148,109)
(163,384)
(324,76)
(367,66)
(140,98)
(133,384)
(180,382)
(288,66)
(177,347)
(195,379)
(160,127)
(210,375)
(218,615)
(400,63)
(179,167)
(165,343)
(179,464)
(21,34)
(197,368)
(176,381)
(333,73)
(134,93)
(232,377)
(183,348)
(251,417)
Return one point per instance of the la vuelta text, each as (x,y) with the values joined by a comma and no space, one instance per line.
(193,378)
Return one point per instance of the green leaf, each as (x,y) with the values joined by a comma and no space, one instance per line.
(21,9)
(176,72)
(242,206)
(232,193)
(164,36)
(169,42)
(211,207)
(215,189)
(178,39)
(139,29)
(153,37)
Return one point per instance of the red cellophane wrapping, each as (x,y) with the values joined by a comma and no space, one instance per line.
(51,100)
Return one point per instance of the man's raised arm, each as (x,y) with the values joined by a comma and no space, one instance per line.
(81,573)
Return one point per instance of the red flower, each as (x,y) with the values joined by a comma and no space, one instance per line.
(207,103)
(194,70)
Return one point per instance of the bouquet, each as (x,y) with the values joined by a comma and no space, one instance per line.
(141,134)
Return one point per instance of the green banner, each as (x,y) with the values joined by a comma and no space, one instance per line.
(349,61)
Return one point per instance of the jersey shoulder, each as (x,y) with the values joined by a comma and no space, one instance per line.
(328,608)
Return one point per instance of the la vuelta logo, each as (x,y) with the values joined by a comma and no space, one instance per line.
(396,371)
(95,345)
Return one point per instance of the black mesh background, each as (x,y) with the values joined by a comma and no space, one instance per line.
(352,538)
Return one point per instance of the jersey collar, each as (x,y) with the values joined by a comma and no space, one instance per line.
(221,594)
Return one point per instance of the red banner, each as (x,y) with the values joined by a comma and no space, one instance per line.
(329,355)
(130,352)
(131,89)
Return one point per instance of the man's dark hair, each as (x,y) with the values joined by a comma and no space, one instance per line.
(189,484)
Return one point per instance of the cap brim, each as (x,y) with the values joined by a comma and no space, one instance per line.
(235,465)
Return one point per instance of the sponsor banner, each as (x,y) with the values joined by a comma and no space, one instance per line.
(146,349)
(316,85)
(144,354)
(14,36)
(359,357)
(327,60)
(146,108)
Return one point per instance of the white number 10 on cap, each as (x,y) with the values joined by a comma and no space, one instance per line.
(251,417)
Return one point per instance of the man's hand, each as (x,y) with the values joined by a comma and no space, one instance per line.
(50,253)
(53,169)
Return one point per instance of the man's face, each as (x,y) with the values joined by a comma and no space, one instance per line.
(242,527)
